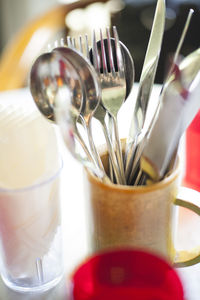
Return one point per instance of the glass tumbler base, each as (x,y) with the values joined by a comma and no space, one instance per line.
(27,289)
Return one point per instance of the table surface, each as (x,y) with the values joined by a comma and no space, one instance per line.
(74,217)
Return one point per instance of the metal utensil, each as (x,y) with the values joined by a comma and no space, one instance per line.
(50,76)
(64,116)
(91,92)
(180,103)
(190,67)
(49,72)
(101,112)
(144,136)
(146,82)
(129,69)
(113,84)
(53,83)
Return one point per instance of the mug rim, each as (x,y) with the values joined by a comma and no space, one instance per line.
(172,176)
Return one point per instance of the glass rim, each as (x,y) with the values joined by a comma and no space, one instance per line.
(35,185)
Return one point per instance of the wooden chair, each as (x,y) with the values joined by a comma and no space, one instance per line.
(18,56)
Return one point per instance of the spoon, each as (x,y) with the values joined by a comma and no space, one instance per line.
(48,72)
(52,78)
(91,92)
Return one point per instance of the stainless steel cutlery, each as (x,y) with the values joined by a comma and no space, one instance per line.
(82,79)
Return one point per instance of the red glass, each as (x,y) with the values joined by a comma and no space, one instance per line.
(192,171)
(126,275)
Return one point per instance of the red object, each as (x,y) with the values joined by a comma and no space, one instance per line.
(192,171)
(126,275)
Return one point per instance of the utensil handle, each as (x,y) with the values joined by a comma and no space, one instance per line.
(97,158)
(83,145)
(89,162)
(129,156)
(112,155)
(118,150)
(94,167)
(93,147)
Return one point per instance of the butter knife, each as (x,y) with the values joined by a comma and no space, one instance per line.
(146,83)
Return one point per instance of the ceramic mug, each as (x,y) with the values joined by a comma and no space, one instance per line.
(142,217)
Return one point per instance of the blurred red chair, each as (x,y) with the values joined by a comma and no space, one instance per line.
(18,56)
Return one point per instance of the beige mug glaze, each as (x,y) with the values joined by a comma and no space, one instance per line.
(143,217)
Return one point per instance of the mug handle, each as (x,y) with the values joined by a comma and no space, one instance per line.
(186,258)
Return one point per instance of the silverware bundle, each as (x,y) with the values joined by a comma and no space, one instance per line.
(75,82)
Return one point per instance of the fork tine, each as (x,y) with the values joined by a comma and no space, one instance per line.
(84,46)
(87,47)
(103,54)
(56,44)
(62,42)
(95,54)
(49,47)
(74,42)
(80,44)
(69,41)
(120,63)
(110,53)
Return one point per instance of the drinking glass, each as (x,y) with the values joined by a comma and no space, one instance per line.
(30,235)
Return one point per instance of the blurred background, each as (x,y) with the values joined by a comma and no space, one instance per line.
(28,26)
(15,14)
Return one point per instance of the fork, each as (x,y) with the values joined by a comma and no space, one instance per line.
(100,113)
(113,84)
(112,79)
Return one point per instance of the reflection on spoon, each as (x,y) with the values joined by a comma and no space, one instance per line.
(53,81)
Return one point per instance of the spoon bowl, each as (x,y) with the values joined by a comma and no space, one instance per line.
(51,76)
